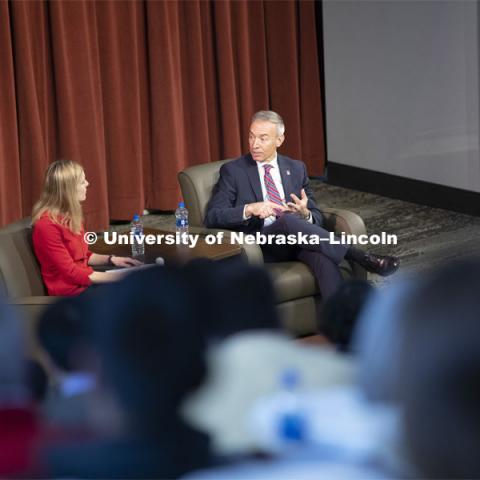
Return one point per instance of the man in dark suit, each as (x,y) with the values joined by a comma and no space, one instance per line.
(269,193)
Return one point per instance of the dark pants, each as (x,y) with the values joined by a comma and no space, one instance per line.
(322,259)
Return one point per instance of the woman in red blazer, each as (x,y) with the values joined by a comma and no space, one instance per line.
(64,257)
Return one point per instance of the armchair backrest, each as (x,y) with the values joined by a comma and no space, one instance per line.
(19,269)
(196,184)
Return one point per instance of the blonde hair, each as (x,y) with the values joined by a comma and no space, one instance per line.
(59,197)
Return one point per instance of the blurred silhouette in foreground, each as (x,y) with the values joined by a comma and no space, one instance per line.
(415,411)
(439,372)
(151,355)
(20,429)
(341,312)
(247,356)
(62,331)
(419,351)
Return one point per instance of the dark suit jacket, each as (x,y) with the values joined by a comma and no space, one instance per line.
(239,184)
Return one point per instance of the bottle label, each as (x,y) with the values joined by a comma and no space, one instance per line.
(182,223)
(137,234)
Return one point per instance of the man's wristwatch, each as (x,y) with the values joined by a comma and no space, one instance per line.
(110,260)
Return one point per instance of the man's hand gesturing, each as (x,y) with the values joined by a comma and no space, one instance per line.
(300,205)
(264,209)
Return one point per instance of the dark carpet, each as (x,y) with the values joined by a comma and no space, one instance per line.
(427,237)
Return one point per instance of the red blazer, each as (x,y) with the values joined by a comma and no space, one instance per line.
(63,257)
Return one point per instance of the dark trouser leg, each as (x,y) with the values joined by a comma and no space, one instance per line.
(291,224)
(326,272)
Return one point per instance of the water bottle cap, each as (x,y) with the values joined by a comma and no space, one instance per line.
(136,218)
(181,205)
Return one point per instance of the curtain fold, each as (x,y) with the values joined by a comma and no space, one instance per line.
(123,72)
(78,98)
(138,90)
(10,180)
(35,100)
(310,98)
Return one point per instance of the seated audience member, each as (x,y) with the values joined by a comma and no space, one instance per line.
(378,339)
(439,371)
(341,312)
(65,260)
(377,342)
(62,333)
(238,403)
(146,330)
(20,429)
(418,351)
(248,354)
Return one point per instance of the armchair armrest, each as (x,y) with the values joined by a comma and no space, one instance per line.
(338,220)
(253,253)
(26,301)
(30,307)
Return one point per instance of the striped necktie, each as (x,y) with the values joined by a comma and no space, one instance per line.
(272,192)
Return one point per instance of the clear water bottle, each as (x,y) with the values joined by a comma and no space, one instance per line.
(181,223)
(138,244)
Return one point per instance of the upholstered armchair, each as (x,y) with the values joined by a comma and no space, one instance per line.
(298,300)
(20,279)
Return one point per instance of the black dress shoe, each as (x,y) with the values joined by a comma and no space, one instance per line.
(383,265)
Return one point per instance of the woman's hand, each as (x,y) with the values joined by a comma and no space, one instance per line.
(125,262)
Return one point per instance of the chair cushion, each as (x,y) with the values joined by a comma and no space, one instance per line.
(294,280)
(291,280)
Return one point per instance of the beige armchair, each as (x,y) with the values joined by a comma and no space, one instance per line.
(20,279)
(297,293)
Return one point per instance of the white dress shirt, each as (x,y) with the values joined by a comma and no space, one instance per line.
(277,179)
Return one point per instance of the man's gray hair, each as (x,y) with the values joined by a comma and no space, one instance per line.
(270,116)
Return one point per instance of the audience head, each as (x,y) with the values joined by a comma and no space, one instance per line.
(342,310)
(144,332)
(419,351)
(439,371)
(235,297)
(63,190)
(379,338)
(148,334)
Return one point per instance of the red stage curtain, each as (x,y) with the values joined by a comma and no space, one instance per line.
(138,90)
